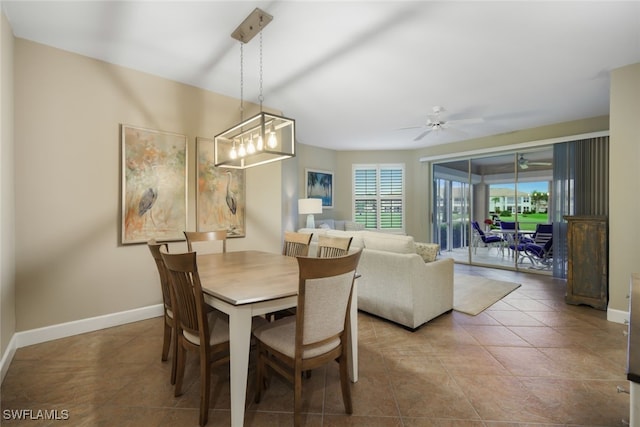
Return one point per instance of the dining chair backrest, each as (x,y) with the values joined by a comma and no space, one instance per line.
(331,246)
(168,299)
(184,277)
(154,248)
(296,244)
(200,237)
(324,298)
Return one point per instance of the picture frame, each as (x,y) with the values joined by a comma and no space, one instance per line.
(153,185)
(319,185)
(220,193)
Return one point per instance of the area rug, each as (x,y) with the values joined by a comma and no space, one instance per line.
(473,294)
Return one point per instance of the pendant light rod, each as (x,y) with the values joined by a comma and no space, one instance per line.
(256,21)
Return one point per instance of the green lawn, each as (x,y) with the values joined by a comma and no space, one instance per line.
(528,221)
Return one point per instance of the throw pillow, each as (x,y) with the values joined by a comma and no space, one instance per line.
(428,251)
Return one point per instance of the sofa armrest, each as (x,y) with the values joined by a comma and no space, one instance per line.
(434,291)
(403,288)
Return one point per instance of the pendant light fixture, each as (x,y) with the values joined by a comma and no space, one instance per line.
(265,137)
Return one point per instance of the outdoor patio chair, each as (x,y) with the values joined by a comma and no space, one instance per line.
(488,240)
(540,252)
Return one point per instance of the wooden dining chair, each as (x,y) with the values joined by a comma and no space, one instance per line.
(316,335)
(296,244)
(199,237)
(170,335)
(203,331)
(330,246)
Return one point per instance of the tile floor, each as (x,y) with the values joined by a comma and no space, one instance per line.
(529,360)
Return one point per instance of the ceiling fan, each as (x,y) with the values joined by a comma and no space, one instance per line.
(435,123)
(525,163)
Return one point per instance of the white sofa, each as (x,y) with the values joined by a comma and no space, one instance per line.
(337,224)
(396,283)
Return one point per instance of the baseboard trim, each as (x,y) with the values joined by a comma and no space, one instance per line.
(62,330)
(617,316)
(7,357)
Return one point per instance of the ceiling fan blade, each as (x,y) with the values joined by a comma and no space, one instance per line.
(422,135)
(540,163)
(466,121)
(410,127)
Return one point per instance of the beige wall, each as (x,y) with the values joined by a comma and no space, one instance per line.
(7,190)
(68,112)
(624,178)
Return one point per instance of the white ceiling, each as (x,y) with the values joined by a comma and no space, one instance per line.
(352,73)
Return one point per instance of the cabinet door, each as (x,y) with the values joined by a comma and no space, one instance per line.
(587,262)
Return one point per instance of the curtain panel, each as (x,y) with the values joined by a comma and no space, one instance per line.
(580,187)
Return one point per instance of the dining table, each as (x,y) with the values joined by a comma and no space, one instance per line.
(251,283)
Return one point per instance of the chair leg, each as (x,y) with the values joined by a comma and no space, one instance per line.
(205,380)
(180,368)
(344,383)
(166,343)
(297,398)
(174,355)
(259,374)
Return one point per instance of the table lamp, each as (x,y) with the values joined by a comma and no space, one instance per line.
(309,207)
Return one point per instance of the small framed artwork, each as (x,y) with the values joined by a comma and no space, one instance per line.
(220,193)
(319,185)
(154,185)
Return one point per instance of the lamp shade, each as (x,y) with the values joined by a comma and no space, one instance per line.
(309,206)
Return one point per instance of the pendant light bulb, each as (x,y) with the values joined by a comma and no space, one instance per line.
(233,154)
(242,151)
(251,148)
(260,145)
(273,141)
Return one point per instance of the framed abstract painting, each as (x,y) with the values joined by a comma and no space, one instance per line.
(154,185)
(220,193)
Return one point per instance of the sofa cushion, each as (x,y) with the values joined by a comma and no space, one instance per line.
(338,224)
(356,242)
(325,223)
(388,242)
(428,251)
(353,226)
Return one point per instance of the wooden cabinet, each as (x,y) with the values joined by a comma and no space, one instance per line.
(587,255)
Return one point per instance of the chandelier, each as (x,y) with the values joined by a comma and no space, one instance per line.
(265,137)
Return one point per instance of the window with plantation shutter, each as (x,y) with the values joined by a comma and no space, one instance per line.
(378,196)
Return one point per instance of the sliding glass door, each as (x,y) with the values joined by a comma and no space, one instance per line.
(451,206)
(486,207)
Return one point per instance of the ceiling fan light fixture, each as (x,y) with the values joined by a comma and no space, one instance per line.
(434,123)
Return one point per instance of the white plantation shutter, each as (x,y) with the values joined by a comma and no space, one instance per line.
(379,196)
